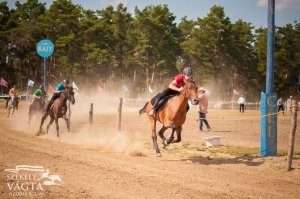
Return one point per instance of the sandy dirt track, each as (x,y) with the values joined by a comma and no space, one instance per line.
(101,163)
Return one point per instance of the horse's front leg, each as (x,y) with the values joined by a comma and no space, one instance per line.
(57,127)
(67,122)
(178,133)
(13,110)
(161,135)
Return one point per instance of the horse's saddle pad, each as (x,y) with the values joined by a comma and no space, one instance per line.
(161,104)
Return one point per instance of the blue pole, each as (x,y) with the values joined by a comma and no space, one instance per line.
(45,74)
(268,142)
(270,50)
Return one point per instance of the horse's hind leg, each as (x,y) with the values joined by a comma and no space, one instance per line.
(178,133)
(29,120)
(8,114)
(67,122)
(49,124)
(29,114)
(154,138)
(41,125)
(171,138)
(57,127)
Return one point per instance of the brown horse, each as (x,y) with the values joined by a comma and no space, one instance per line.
(36,107)
(59,110)
(12,105)
(172,116)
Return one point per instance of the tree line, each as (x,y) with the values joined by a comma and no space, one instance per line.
(113,47)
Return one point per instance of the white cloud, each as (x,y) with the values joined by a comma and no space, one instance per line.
(281,4)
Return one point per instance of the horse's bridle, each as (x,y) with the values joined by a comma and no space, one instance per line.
(184,94)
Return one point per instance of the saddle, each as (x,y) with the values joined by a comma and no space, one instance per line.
(162,103)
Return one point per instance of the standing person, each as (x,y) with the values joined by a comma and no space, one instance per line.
(202,109)
(280,105)
(13,93)
(175,87)
(242,102)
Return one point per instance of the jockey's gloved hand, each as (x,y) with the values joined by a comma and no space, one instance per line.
(180,89)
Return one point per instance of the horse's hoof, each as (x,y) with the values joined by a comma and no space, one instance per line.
(158,154)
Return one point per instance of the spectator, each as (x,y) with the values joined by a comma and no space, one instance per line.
(242,102)
(203,103)
(280,103)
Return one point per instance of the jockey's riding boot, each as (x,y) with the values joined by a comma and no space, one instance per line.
(47,110)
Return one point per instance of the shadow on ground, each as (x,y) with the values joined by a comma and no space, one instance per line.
(247,160)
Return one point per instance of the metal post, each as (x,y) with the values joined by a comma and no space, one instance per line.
(45,74)
(271,45)
(268,140)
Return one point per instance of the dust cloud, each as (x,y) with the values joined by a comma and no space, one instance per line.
(103,134)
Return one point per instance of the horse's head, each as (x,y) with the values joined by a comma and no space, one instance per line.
(190,91)
(69,94)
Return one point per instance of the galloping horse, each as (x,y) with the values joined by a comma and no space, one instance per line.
(172,116)
(12,105)
(36,107)
(59,110)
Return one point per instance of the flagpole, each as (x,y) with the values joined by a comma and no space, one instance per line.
(27,93)
(232,100)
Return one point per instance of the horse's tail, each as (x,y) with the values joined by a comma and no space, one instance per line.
(143,110)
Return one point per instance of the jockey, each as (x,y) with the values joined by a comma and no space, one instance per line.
(38,93)
(59,88)
(13,93)
(175,86)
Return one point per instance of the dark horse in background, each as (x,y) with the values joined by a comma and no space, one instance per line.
(59,110)
(37,107)
(173,115)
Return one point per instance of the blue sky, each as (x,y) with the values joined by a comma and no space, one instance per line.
(253,11)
